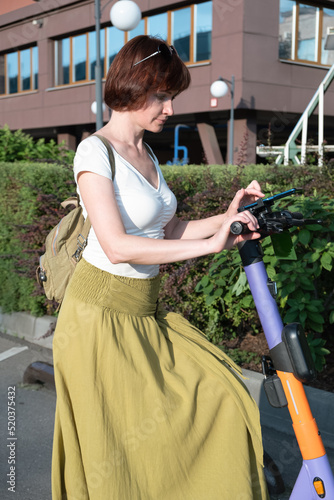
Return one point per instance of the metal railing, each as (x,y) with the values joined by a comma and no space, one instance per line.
(290,151)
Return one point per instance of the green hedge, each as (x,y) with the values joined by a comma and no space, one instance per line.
(30,194)
(211,291)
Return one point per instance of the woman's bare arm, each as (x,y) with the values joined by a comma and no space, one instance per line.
(98,196)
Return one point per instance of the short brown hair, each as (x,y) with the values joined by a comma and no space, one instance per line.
(127,86)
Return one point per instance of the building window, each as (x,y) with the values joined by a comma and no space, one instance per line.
(12,67)
(203,30)
(158,26)
(302,32)
(189,29)
(139,30)
(327,56)
(79,58)
(307,49)
(115,41)
(19,71)
(181,31)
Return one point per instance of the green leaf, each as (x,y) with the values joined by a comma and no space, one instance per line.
(326,261)
(316,326)
(322,351)
(291,316)
(302,317)
(308,286)
(304,236)
(246,301)
(316,342)
(220,261)
(320,244)
(312,308)
(283,246)
(317,318)
(305,280)
(331,317)
(205,281)
(209,299)
(235,271)
(314,256)
(314,227)
(271,272)
(290,287)
(208,289)
(243,279)
(224,272)
(220,282)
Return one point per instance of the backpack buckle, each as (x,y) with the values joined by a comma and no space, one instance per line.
(41,275)
(81,244)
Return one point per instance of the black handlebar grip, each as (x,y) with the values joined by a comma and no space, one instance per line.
(239,228)
(297,215)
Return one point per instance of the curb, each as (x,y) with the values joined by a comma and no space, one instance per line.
(24,326)
(30,328)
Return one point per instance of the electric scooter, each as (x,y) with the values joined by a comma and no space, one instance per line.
(290,363)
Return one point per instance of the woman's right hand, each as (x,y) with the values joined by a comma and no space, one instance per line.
(224,239)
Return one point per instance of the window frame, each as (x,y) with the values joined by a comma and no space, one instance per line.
(20,91)
(295,32)
(193,45)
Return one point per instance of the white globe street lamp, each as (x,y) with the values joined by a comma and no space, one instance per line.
(125,15)
(219,88)
(94,107)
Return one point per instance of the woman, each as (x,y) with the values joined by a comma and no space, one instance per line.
(147,408)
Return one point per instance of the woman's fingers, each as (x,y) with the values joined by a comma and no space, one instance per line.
(225,239)
(255,185)
(248,218)
(245,196)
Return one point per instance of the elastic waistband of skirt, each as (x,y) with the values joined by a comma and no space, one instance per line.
(134,296)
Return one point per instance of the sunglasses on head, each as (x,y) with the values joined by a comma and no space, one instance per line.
(163,49)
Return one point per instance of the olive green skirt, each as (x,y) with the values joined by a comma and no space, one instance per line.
(147,408)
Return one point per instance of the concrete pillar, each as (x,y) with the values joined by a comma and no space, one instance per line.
(210,144)
(70,140)
(85,134)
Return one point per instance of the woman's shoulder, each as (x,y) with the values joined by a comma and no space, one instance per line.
(90,143)
(92,155)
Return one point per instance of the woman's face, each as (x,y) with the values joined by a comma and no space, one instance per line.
(158,107)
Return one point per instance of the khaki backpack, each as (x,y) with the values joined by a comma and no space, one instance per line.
(64,245)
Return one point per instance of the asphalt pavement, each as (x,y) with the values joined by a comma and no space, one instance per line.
(26,423)
(27,418)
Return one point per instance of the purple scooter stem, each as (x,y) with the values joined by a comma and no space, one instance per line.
(265,303)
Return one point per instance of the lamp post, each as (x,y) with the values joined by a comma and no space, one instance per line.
(219,88)
(124,15)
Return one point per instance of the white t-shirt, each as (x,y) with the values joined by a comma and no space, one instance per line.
(145,210)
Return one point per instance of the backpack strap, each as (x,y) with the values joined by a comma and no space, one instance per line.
(110,153)
(73,200)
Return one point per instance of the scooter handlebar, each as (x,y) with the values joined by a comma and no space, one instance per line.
(273,222)
(238,227)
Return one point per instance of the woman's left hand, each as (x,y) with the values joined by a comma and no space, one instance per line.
(245,197)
